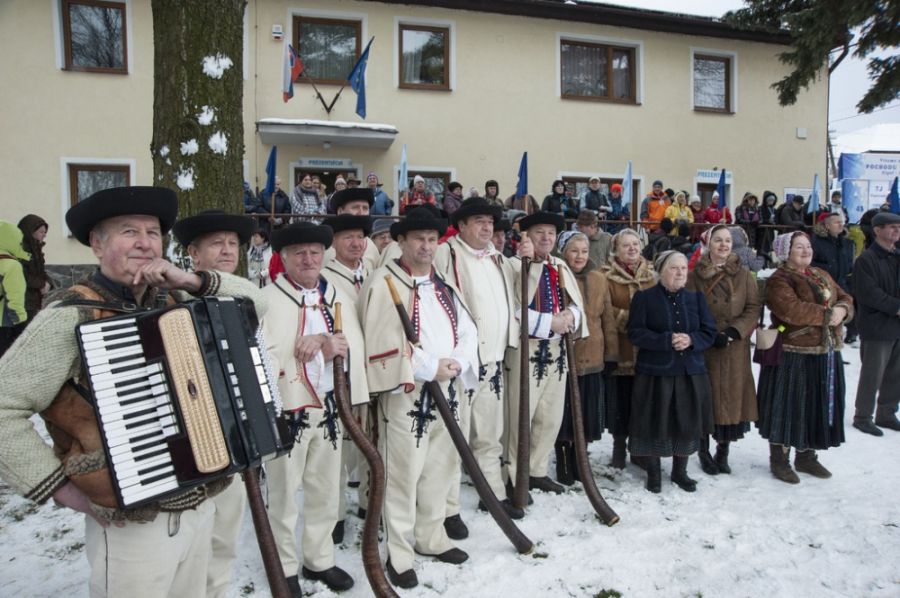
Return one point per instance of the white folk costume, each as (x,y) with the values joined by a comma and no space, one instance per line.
(420,459)
(307,391)
(353,466)
(485,279)
(370,258)
(547,362)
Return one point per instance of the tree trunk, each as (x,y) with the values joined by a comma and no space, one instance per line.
(198,129)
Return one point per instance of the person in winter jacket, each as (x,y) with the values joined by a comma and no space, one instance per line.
(453,197)
(250,201)
(696,206)
(492,193)
(741,248)
(618,211)
(34,230)
(559,203)
(767,216)
(790,215)
(259,254)
(747,216)
(418,196)
(12,284)
(679,212)
(659,240)
(717,213)
(654,206)
(383,205)
(264,206)
(594,200)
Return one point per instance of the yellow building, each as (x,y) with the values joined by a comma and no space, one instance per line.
(467,86)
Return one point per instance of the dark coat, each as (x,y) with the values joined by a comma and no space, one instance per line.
(34,270)
(834,255)
(876,284)
(560,204)
(733,298)
(655,315)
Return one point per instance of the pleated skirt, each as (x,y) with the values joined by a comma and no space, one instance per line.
(618,403)
(593,409)
(801,401)
(669,414)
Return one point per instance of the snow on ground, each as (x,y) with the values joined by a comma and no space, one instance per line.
(746,534)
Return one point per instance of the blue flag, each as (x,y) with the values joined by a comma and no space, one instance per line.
(893,197)
(522,185)
(357,79)
(627,186)
(720,189)
(270,173)
(813,206)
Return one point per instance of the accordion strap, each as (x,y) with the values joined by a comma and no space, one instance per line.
(125,308)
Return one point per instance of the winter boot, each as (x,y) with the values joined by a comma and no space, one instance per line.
(618,456)
(807,462)
(780,464)
(679,474)
(565,473)
(707,464)
(722,457)
(654,474)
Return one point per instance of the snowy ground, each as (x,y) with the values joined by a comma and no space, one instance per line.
(746,534)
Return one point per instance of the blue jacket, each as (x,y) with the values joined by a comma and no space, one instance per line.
(655,314)
(383,204)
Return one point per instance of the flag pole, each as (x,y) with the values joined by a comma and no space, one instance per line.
(318,94)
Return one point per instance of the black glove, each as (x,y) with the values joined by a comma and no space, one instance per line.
(732,333)
(721,340)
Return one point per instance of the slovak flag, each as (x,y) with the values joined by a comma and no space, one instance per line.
(293,66)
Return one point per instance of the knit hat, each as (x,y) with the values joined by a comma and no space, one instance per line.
(616,187)
(657,182)
(418,179)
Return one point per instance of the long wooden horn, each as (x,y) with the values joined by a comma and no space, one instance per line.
(371,558)
(523,446)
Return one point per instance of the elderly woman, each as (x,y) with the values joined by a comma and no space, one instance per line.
(671,408)
(733,298)
(626,273)
(592,353)
(801,400)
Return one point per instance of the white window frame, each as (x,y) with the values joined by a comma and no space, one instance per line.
(733,84)
(395,48)
(65,193)
(636,44)
(58,42)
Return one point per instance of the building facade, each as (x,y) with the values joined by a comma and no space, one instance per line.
(466,86)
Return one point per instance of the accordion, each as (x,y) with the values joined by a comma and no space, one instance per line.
(183,395)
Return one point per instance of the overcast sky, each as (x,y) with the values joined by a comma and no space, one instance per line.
(848,83)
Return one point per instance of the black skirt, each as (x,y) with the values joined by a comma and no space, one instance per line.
(794,405)
(593,409)
(670,414)
(618,403)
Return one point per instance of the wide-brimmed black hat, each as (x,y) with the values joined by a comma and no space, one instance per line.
(476,206)
(345,196)
(543,217)
(122,201)
(419,218)
(301,232)
(344,222)
(213,221)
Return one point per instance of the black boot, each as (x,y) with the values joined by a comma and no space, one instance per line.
(722,457)
(780,464)
(707,464)
(654,474)
(456,528)
(564,466)
(618,456)
(680,476)
(337,534)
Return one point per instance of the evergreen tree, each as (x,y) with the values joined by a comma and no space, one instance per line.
(817,27)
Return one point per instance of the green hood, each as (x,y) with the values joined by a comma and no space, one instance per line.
(11,241)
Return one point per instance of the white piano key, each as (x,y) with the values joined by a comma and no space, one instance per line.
(136,470)
(139,493)
(134,456)
(108,368)
(106,344)
(108,380)
(135,445)
(106,326)
(107,397)
(97,357)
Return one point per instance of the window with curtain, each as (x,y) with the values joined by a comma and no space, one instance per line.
(712,83)
(94,36)
(328,47)
(424,57)
(591,71)
(87,179)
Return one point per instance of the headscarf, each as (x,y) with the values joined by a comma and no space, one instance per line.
(781,246)
(663,258)
(567,236)
(707,235)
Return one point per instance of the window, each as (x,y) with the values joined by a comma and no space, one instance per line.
(597,72)
(424,57)
(328,47)
(712,83)
(435,182)
(94,36)
(87,179)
